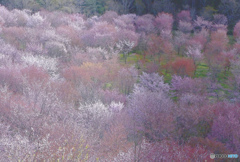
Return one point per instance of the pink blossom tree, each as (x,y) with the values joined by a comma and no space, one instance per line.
(127,77)
(163,23)
(200,24)
(195,53)
(109,16)
(185,27)
(150,105)
(186,85)
(145,24)
(180,40)
(125,22)
(126,41)
(184,15)
(236,30)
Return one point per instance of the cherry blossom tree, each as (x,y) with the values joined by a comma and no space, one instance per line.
(35,20)
(236,30)
(145,24)
(184,15)
(195,53)
(109,96)
(185,27)
(10,53)
(215,60)
(180,40)
(102,34)
(127,40)
(126,22)
(201,38)
(187,85)
(146,116)
(158,46)
(127,77)
(163,23)
(109,16)
(200,24)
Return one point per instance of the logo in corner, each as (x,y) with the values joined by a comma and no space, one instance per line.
(212,156)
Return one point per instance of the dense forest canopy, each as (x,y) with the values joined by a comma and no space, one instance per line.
(204,8)
(134,6)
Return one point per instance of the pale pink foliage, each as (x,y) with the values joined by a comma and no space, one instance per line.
(101,34)
(109,16)
(108,96)
(125,21)
(7,17)
(149,105)
(153,82)
(200,24)
(126,41)
(185,85)
(9,52)
(180,40)
(35,20)
(237,31)
(99,54)
(76,21)
(219,41)
(145,24)
(127,77)
(195,52)
(36,49)
(184,15)
(200,38)
(185,27)
(164,22)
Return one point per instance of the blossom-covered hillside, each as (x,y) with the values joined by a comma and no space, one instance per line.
(117,87)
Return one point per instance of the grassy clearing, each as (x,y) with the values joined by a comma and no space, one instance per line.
(231,39)
(201,71)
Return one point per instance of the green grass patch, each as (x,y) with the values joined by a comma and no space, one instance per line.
(167,78)
(201,71)
(231,39)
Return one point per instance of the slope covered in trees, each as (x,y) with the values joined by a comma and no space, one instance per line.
(117,87)
(206,8)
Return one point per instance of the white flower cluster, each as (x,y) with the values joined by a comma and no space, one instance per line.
(125,46)
(194,52)
(116,107)
(98,53)
(47,63)
(35,20)
(78,24)
(97,109)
